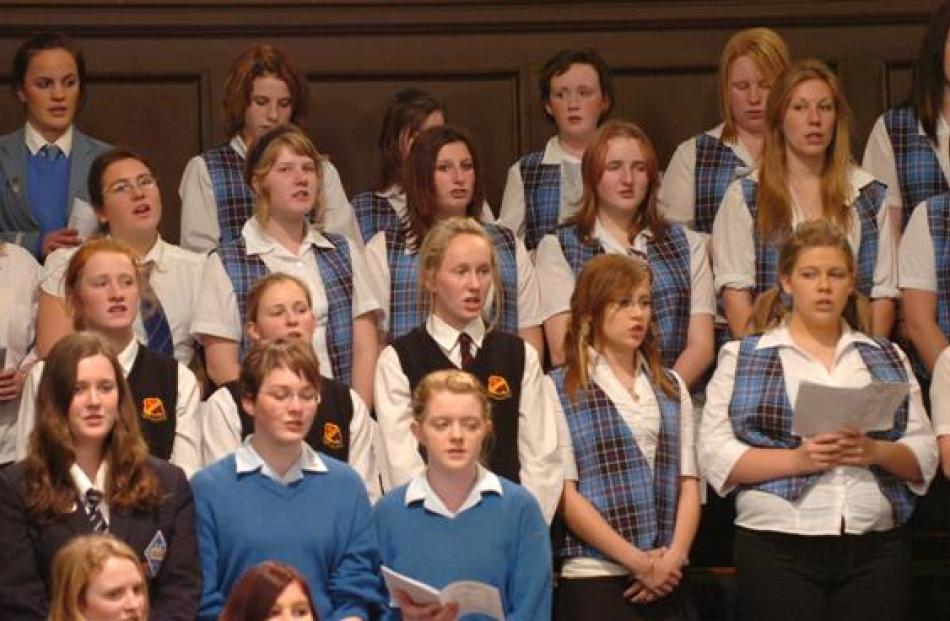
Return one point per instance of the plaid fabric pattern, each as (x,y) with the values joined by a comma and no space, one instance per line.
(374,214)
(670,264)
(715,168)
(866,206)
(504,241)
(614,475)
(761,414)
(918,169)
(938,217)
(542,197)
(336,272)
(766,251)
(234,198)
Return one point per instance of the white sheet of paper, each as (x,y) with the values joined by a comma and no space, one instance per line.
(83,218)
(473,597)
(826,409)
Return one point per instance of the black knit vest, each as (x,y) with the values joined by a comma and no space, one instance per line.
(330,431)
(154,384)
(499,365)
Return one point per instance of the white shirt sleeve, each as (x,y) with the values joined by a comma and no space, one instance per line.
(364,292)
(529,303)
(361,456)
(918,269)
(186,449)
(338,216)
(678,189)
(513,203)
(26,418)
(733,248)
(54,269)
(378,267)
(885,267)
(199,208)
(919,435)
(688,463)
(555,278)
(541,471)
(702,300)
(940,394)
(216,313)
(879,161)
(393,402)
(220,426)
(719,449)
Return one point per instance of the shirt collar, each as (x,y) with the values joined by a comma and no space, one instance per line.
(35,142)
(127,356)
(259,242)
(247,459)
(156,253)
(780,336)
(612,245)
(419,490)
(82,482)
(447,337)
(237,143)
(597,363)
(554,153)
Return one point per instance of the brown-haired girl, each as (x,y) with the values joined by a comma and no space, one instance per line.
(88,471)
(268,591)
(103,288)
(618,215)
(819,519)
(263,91)
(631,494)
(285,236)
(806,173)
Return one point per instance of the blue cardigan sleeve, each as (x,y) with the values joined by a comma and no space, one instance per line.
(529,584)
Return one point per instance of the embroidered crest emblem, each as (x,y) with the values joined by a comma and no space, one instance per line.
(498,387)
(153,410)
(332,436)
(155,553)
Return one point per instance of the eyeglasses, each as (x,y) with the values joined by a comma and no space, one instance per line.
(142,183)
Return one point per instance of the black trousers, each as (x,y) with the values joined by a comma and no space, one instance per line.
(601,599)
(840,578)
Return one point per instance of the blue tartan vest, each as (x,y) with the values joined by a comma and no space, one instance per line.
(404,311)
(918,170)
(542,197)
(761,415)
(715,169)
(866,206)
(235,200)
(938,219)
(614,476)
(374,214)
(336,272)
(670,263)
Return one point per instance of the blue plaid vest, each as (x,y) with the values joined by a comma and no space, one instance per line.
(612,472)
(918,170)
(715,169)
(761,415)
(235,200)
(404,311)
(542,197)
(866,206)
(374,214)
(938,218)
(670,263)
(336,272)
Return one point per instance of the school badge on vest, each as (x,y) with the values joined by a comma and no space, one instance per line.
(155,553)
(153,410)
(332,436)
(498,388)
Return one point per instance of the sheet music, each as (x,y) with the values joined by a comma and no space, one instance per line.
(826,409)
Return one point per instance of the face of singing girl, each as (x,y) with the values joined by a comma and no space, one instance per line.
(625,182)
(131,201)
(283,409)
(748,95)
(626,322)
(809,122)
(283,313)
(454,179)
(819,285)
(50,91)
(460,284)
(270,105)
(577,103)
(107,295)
(116,593)
(453,429)
(290,186)
(92,411)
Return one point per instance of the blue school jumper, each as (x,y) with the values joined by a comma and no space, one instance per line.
(234,198)
(542,197)
(918,169)
(374,213)
(715,168)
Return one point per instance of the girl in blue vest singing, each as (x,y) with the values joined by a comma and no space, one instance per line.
(631,491)
(264,90)
(279,307)
(443,179)
(284,169)
(806,173)
(618,215)
(456,520)
(818,525)
(543,187)
(458,270)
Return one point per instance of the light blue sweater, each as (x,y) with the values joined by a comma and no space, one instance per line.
(322,525)
(502,541)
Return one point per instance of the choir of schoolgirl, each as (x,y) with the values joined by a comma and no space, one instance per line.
(373,371)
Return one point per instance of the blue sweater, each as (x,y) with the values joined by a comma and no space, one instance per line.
(502,541)
(322,525)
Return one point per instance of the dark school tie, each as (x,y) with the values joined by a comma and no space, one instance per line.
(51,152)
(98,523)
(157,330)
(465,348)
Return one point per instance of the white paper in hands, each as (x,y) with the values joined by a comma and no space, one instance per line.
(472,597)
(826,409)
(83,218)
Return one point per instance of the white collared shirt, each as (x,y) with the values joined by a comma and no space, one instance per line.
(678,188)
(940,394)
(733,245)
(247,459)
(199,208)
(556,279)
(916,263)
(537,432)
(176,280)
(419,490)
(83,485)
(35,141)
(847,495)
(217,312)
(572,186)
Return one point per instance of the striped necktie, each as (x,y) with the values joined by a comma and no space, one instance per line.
(51,152)
(93,500)
(465,348)
(157,330)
